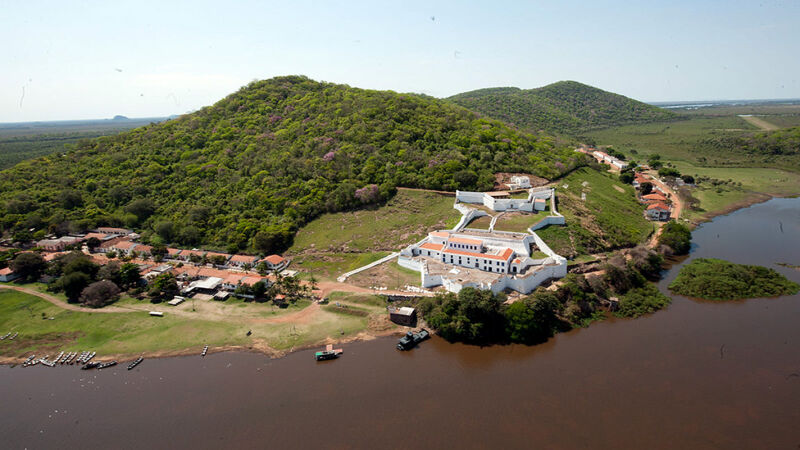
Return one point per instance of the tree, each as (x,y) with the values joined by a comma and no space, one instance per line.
(668,172)
(159,251)
(142,208)
(165,229)
(81,263)
(29,266)
(646,188)
(129,275)
(465,179)
(687,179)
(626,176)
(163,287)
(676,236)
(99,294)
(110,272)
(92,243)
(259,290)
(73,284)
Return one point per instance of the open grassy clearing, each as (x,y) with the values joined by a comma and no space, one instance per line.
(136,332)
(481,223)
(328,266)
(389,275)
(405,219)
(609,218)
(517,221)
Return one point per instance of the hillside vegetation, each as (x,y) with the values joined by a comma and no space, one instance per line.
(611,217)
(566,107)
(246,172)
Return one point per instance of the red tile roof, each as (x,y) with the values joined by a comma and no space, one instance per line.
(6,271)
(173,251)
(468,241)
(432,246)
(124,245)
(500,257)
(441,234)
(274,259)
(658,206)
(655,197)
(243,258)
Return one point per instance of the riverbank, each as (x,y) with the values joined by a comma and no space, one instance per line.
(45,326)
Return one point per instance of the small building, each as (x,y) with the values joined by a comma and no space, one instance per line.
(658,211)
(519,182)
(114,231)
(220,257)
(241,260)
(275,262)
(172,253)
(124,247)
(403,315)
(7,275)
(186,255)
(654,198)
(59,244)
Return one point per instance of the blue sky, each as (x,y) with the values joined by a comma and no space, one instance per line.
(76,60)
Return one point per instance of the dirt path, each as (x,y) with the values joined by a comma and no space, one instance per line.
(326,287)
(759,122)
(61,304)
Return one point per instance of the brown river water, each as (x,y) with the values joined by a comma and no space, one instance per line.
(695,375)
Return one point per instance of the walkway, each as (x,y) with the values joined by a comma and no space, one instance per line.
(343,277)
(760,123)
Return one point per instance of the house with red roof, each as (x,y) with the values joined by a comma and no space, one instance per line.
(275,262)
(242,260)
(658,211)
(654,197)
(7,275)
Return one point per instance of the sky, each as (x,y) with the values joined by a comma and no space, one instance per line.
(89,60)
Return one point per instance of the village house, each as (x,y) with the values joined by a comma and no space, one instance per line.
(519,182)
(657,211)
(59,244)
(241,260)
(403,315)
(108,245)
(275,262)
(186,255)
(144,251)
(114,231)
(124,247)
(172,253)
(7,275)
(654,197)
(215,257)
(102,237)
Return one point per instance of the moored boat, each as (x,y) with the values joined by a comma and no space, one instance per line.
(135,363)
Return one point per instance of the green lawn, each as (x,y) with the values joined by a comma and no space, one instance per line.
(405,219)
(328,266)
(518,222)
(390,275)
(481,223)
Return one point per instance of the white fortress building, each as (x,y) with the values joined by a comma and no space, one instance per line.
(489,259)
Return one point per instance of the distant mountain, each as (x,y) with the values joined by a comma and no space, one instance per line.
(246,172)
(120,118)
(565,107)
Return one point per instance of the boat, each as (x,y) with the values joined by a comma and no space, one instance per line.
(13,336)
(89,357)
(28,361)
(411,340)
(106,364)
(2,338)
(90,365)
(205,350)
(328,353)
(135,363)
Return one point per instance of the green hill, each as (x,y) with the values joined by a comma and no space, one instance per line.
(565,107)
(246,172)
(779,148)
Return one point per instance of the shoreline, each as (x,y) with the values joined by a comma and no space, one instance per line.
(258,348)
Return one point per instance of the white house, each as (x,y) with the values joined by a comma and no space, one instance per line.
(519,182)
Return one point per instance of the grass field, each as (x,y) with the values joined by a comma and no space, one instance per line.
(481,223)
(389,275)
(518,222)
(328,266)
(136,332)
(610,218)
(405,219)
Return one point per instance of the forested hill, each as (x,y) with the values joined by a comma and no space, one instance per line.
(566,107)
(246,172)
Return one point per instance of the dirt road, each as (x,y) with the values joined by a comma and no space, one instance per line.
(760,123)
(62,304)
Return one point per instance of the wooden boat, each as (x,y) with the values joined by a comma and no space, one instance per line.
(205,350)
(90,365)
(328,353)
(13,336)
(106,364)
(135,363)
